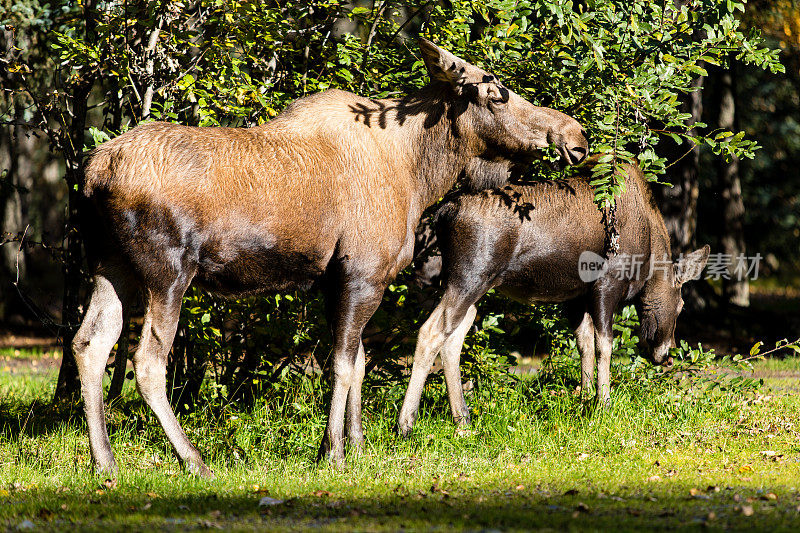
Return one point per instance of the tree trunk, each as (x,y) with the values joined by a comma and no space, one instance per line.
(68,386)
(679,203)
(734,291)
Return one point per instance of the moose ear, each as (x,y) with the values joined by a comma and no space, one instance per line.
(690,266)
(442,65)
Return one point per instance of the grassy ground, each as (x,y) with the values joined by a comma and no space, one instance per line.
(663,457)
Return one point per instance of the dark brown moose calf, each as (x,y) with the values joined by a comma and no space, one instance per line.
(543,243)
(327,194)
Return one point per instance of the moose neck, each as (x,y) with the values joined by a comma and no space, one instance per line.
(437,151)
(660,249)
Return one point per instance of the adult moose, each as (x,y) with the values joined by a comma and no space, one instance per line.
(530,242)
(327,194)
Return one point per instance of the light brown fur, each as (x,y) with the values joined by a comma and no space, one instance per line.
(327,194)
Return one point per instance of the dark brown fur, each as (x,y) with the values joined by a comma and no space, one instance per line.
(527,241)
(328,193)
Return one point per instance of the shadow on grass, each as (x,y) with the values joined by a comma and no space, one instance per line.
(473,508)
(36,418)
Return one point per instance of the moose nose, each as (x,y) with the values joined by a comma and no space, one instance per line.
(575,154)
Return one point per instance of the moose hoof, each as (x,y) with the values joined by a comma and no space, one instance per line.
(405,425)
(108,470)
(463,421)
(404,431)
(333,455)
(356,443)
(199,469)
(335,460)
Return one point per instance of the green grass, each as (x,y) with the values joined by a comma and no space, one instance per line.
(663,457)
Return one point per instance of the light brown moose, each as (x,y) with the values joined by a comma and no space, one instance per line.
(327,194)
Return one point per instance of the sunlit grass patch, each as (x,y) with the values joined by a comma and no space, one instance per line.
(662,456)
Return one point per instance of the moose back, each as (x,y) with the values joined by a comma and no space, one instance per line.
(327,194)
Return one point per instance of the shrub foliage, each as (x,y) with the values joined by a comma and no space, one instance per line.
(618,66)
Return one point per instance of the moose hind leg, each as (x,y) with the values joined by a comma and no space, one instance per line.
(150,365)
(451,359)
(444,320)
(91,345)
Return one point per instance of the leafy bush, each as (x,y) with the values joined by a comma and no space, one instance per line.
(616,65)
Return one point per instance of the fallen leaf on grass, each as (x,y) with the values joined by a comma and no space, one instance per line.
(768,453)
(747,510)
(435,488)
(745,468)
(262,491)
(698,494)
(325,493)
(583,456)
(654,479)
(769,496)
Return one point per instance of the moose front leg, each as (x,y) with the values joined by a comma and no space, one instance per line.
(607,295)
(581,321)
(150,365)
(355,431)
(350,304)
(605,343)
